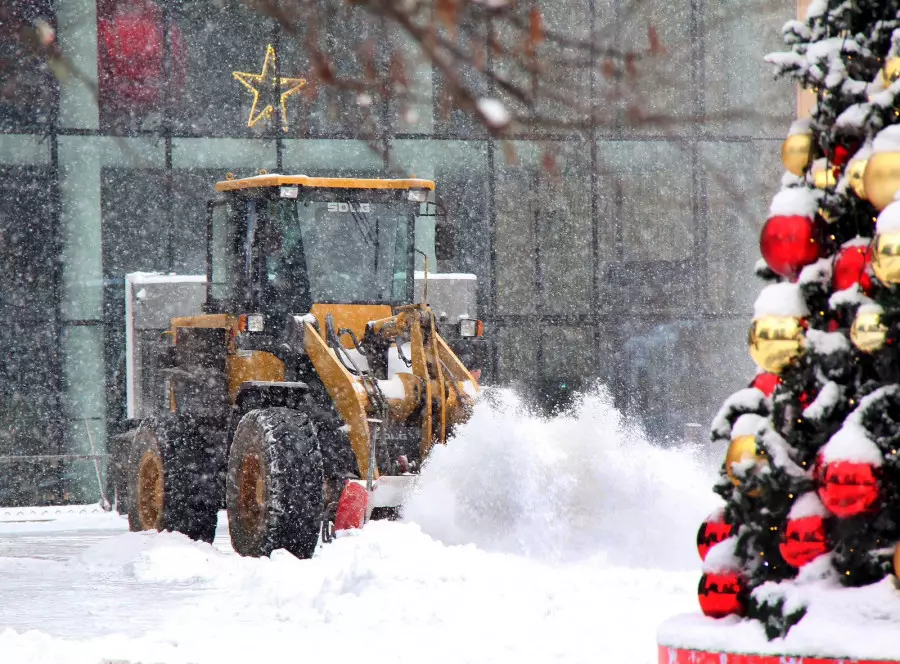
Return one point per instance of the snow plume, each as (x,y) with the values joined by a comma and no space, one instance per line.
(583,484)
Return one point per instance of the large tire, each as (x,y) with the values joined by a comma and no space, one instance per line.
(120,449)
(172,478)
(274,485)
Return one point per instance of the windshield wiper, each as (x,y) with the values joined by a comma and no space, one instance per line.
(364,227)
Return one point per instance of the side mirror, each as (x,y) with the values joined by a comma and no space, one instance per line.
(444,239)
(444,232)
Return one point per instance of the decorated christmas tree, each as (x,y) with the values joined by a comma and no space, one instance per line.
(811,477)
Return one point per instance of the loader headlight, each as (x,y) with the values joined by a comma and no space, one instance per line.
(417,195)
(470,327)
(251,323)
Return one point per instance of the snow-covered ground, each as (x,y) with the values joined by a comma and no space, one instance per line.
(528,540)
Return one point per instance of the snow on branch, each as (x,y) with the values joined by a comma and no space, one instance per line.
(781,299)
(802,201)
(748,400)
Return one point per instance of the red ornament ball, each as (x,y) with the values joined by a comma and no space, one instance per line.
(851,266)
(841,153)
(803,540)
(712,531)
(133,52)
(722,594)
(847,488)
(806,398)
(766,383)
(789,243)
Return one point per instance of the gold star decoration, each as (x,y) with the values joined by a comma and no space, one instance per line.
(268,84)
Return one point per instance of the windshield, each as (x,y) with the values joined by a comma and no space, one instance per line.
(335,251)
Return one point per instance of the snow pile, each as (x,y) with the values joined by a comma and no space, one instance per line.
(388,591)
(525,535)
(581,484)
(855,623)
(76,517)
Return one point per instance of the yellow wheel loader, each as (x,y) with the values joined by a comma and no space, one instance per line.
(310,390)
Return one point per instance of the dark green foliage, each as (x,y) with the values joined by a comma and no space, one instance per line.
(771,613)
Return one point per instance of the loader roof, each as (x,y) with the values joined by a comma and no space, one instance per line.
(276,180)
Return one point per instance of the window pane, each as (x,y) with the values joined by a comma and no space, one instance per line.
(656,266)
(352,43)
(737,80)
(29,92)
(29,270)
(30,390)
(134,241)
(218,39)
(738,206)
(30,412)
(660,98)
(140,61)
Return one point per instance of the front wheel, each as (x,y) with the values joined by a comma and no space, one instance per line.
(171,480)
(274,485)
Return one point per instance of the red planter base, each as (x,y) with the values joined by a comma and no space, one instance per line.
(680,656)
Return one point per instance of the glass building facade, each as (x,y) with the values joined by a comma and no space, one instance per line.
(628,262)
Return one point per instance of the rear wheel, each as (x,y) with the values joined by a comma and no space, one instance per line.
(171,480)
(274,485)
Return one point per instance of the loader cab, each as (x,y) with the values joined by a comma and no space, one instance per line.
(279,244)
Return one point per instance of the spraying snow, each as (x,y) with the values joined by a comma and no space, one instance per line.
(579,515)
(582,484)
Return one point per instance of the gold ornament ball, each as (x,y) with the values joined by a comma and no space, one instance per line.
(890,72)
(881,178)
(796,153)
(886,257)
(867,332)
(741,449)
(855,172)
(776,341)
(823,177)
